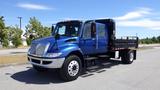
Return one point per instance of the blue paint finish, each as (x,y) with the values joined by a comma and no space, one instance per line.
(85,46)
(60,45)
(88,46)
(67,47)
(102,39)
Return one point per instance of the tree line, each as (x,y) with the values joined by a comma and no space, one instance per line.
(152,40)
(33,30)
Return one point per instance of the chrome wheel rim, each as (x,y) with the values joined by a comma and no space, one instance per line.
(73,68)
(131,56)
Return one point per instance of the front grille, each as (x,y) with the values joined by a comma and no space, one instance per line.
(39,48)
(33,48)
(39,62)
(46,62)
(36,61)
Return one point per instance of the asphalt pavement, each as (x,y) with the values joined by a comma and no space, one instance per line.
(142,74)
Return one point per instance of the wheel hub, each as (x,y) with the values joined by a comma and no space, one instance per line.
(131,56)
(73,68)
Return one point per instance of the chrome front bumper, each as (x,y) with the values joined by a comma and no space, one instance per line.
(47,63)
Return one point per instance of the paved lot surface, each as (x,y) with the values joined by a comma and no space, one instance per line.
(13,51)
(143,74)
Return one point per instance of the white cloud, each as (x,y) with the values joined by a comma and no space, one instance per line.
(144,23)
(135,14)
(139,18)
(31,6)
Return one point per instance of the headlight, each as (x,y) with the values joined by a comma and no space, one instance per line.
(53,54)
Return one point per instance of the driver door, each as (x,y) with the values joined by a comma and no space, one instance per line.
(88,40)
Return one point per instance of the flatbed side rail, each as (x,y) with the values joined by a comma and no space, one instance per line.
(125,43)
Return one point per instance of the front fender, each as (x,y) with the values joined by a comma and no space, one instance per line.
(67,50)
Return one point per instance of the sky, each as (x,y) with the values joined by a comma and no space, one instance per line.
(133,17)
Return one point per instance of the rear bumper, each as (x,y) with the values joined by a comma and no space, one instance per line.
(47,63)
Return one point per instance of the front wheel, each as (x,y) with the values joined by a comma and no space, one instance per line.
(71,68)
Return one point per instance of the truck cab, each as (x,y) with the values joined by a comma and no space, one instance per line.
(72,42)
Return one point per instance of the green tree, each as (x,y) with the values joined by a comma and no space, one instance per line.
(15,35)
(150,40)
(3,33)
(28,40)
(158,38)
(154,40)
(2,24)
(36,30)
(46,31)
(35,27)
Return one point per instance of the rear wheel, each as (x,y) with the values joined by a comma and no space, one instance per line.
(127,56)
(71,68)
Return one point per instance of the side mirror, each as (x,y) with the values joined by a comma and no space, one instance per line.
(52,29)
(93,30)
(57,36)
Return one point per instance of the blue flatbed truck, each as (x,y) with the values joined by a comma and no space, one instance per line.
(73,42)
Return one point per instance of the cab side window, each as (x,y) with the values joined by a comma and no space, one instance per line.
(87,31)
(101,30)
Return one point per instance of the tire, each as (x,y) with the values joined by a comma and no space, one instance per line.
(71,68)
(127,56)
(39,69)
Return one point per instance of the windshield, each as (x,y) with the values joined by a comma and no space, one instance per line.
(70,29)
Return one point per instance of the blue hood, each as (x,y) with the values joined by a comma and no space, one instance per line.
(63,41)
(49,39)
